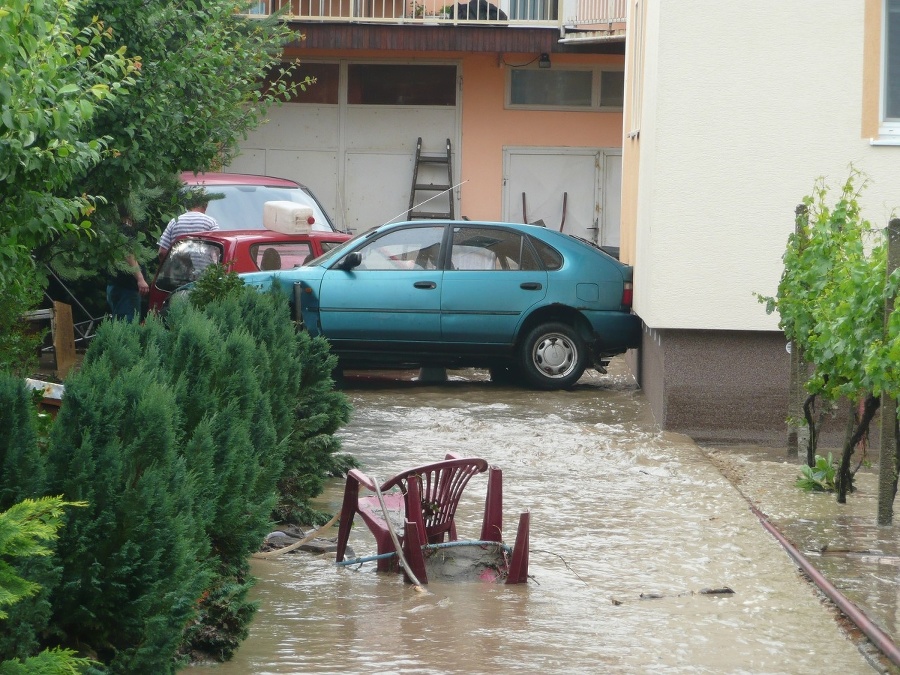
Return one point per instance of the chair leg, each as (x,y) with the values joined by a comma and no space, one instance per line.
(412,550)
(518,566)
(413,506)
(348,510)
(492,526)
(384,544)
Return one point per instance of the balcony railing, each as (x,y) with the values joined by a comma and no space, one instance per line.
(599,16)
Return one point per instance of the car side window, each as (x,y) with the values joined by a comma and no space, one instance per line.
(280,255)
(411,248)
(491,248)
(550,257)
(185,262)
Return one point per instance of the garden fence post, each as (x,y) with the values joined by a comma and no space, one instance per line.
(798,433)
(887,462)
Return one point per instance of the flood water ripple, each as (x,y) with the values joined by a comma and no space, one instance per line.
(628,526)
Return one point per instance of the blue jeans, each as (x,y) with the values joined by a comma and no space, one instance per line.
(123,303)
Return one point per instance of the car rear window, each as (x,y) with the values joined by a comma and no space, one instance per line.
(186,261)
(242,207)
(281,255)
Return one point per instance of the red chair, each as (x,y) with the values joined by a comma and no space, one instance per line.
(424,508)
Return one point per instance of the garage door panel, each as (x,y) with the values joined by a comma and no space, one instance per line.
(576,188)
(251,160)
(553,184)
(376,188)
(396,129)
(315,169)
(298,127)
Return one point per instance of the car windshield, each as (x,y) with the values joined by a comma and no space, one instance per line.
(242,207)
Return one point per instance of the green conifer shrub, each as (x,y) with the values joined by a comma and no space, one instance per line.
(132,560)
(313,454)
(22,476)
(306,408)
(27,530)
(21,464)
(178,438)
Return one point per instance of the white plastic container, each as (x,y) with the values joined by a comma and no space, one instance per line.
(287,217)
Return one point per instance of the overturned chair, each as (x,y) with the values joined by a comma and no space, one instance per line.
(422,513)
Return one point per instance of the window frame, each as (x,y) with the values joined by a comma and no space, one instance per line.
(353,63)
(596,75)
(888,127)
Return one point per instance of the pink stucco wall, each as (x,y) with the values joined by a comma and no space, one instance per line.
(487,126)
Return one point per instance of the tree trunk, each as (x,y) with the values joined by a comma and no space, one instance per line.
(844,482)
(812,442)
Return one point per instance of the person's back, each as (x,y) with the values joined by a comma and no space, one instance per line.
(193,220)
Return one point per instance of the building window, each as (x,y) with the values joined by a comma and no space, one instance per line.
(323,90)
(384,84)
(891,70)
(561,88)
(612,88)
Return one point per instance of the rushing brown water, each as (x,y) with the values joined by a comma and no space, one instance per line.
(628,527)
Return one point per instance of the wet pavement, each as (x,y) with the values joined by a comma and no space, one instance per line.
(629,527)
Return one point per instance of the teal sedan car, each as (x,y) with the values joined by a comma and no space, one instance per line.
(528,303)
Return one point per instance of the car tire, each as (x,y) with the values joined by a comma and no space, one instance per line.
(553,356)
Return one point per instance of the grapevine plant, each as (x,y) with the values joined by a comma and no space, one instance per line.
(831,303)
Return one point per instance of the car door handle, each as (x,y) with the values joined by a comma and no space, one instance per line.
(425,284)
(530,286)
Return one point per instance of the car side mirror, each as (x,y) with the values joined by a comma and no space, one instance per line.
(350,261)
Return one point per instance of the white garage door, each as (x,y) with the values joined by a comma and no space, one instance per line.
(354,146)
(573,189)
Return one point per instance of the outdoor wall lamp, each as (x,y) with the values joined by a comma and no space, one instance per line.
(544,61)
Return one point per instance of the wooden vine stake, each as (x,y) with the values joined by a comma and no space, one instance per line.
(798,434)
(887,465)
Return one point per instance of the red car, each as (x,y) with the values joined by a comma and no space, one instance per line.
(265,224)
(244,250)
(245,195)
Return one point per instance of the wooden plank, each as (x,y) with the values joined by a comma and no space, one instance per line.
(63,338)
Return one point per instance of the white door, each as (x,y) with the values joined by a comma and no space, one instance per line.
(573,189)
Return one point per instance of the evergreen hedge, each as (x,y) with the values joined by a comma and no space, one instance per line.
(184,440)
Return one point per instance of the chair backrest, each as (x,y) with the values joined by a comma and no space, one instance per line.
(271,259)
(440,487)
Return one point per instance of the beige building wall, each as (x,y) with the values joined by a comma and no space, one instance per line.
(743,107)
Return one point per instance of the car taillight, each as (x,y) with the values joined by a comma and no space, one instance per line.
(311,220)
(627,294)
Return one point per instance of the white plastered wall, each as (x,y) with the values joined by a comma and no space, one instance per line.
(745,105)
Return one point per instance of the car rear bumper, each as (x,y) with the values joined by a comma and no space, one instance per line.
(615,333)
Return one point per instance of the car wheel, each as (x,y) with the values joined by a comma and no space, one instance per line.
(553,356)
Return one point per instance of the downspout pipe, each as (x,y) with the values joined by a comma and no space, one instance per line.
(878,637)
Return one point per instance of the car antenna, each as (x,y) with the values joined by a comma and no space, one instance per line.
(425,201)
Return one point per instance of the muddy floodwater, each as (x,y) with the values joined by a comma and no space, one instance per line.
(628,527)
